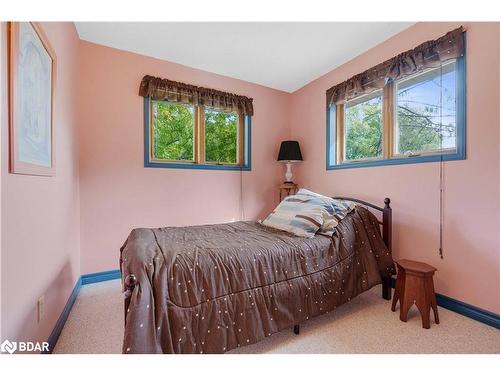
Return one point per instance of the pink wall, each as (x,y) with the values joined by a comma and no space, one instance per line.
(118,193)
(40,215)
(470,270)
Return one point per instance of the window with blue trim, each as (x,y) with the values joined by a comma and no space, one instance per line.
(418,118)
(179,135)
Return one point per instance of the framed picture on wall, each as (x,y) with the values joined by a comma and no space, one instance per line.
(32,74)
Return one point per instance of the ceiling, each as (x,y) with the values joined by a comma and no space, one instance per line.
(284,56)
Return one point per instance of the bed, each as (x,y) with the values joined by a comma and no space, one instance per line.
(213,288)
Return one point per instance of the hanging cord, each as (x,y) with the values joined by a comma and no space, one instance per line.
(441,165)
(242,206)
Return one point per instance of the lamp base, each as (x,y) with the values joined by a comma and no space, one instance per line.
(288,174)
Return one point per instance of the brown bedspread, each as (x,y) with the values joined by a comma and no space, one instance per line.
(212,288)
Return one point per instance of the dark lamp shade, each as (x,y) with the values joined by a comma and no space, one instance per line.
(290,151)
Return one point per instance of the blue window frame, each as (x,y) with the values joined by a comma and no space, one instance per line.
(335,151)
(150,162)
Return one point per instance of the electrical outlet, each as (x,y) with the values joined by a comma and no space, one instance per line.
(40,308)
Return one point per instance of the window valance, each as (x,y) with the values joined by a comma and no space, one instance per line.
(429,54)
(164,89)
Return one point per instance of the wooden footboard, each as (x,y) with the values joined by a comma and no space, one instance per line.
(386,224)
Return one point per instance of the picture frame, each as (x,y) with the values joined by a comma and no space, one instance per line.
(32,81)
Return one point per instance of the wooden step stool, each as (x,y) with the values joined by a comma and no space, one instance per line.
(414,285)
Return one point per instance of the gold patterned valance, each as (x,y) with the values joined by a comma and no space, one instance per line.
(164,89)
(429,54)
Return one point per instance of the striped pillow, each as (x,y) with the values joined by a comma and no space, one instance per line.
(336,210)
(296,215)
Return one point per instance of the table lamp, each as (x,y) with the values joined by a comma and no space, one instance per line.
(289,153)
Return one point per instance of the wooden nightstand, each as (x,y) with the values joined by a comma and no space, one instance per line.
(287,188)
(414,285)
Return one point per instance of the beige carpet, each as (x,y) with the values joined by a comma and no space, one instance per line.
(365,325)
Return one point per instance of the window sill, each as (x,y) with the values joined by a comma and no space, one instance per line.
(396,161)
(197,166)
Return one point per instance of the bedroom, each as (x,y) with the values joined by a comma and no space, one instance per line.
(110,131)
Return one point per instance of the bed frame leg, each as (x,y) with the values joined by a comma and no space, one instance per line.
(386,288)
(296,329)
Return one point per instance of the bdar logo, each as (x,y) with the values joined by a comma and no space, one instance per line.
(8,346)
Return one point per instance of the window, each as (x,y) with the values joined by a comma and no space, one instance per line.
(419,118)
(363,125)
(172,136)
(181,135)
(426,112)
(221,137)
